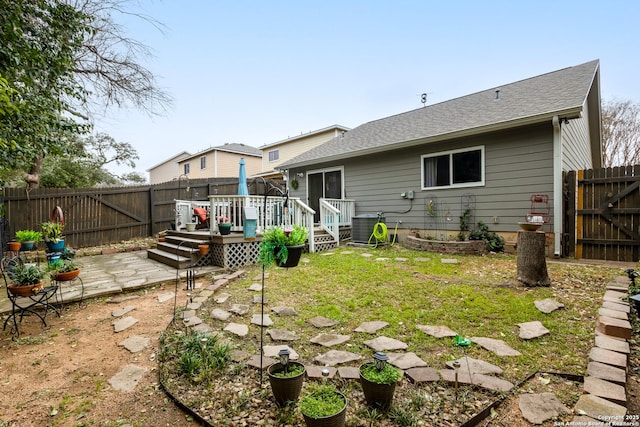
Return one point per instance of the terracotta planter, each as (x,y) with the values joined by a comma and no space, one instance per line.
(14,246)
(377,395)
(293,257)
(336,420)
(204,249)
(25,290)
(66,276)
(285,389)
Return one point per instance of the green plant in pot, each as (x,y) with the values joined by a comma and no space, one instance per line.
(26,279)
(282,246)
(63,270)
(28,238)
(378,380)
(52,235)
(286,379)
(322,405)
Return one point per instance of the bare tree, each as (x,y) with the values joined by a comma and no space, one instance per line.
(620,133)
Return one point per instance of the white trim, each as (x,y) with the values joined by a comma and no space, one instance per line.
(557,184)
(323,171)
(450,152)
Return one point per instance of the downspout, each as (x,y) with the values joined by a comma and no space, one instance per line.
(557,184)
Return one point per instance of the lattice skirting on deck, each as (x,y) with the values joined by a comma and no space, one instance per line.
(233,255)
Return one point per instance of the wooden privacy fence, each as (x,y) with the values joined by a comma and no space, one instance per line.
(602,214)
(96,216)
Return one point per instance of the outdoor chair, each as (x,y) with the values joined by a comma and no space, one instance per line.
(37,303)
(202,217)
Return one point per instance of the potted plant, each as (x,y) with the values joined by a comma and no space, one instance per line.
(14,246)
(322,405)
(26,279)
(378,380)
(203,248)
(52,235)
(286,379)
(282,246)
(224,225)
(28,239)
(63,270)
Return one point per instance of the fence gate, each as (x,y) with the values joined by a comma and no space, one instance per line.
(607,213)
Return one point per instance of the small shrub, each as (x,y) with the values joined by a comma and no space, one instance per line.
(493,241)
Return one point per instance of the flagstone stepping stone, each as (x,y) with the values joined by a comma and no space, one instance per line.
(422,259)
(607,372)
(199,299)
(437,331)
(485,381)
(202,328)
(614,296)
(605,389)
(205,293)
(598,408)
(273,350)
(135,344)
(476,366)
(531,330)
(240,355)
(194,305)
(422,375)
(188,313)
(282,335)
(315,371)
(615,306)
(237,329)
(349,372)
(235,274)
(305,260)
(122,311)
(220,314)
(258,299)
(239,309)
(401,259)
(124,323)
(449,261)
(613,313)
(608,357)
(335,357)
(165,297)
(371,327)
(118,300)
(385,343)
(406,360)
(255,287)
(540,407)
(614,327)
(222,298)
(327,253)
(367,255)
(382,259)
(346,252)
(548,305)
(254,362)
(258,319)
(329,340)
(192,321)
(127,379)
(220,282)
(613,344)
(322,322)
(498,347)
(259,277)
(284,311)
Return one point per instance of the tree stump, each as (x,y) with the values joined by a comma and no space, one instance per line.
(532,264)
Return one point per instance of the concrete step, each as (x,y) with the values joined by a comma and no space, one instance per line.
(176,261)
(184,250)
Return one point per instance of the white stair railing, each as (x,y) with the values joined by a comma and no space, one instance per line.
(330,220)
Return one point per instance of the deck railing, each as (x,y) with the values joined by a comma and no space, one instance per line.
(271,211)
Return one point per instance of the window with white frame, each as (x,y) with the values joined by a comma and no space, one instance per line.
(186,168)
(203,162)
(456,168)
(274,155)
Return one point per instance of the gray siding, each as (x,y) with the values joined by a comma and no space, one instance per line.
(518,164)
(576,148)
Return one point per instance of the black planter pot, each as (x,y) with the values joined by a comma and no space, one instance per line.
(377,395)
(293,258)
(285,389)
(336,420)
(636,302)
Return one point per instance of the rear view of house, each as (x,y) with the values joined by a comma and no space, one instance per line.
(493,156)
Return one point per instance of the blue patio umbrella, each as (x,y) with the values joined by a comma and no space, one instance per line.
(242,180)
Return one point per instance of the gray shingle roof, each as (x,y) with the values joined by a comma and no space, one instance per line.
(532,100)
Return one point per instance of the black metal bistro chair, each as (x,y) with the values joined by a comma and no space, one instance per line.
(36,302)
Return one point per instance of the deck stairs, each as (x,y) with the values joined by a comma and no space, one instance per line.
(180,249)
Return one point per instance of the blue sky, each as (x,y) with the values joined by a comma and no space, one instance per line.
(256,72)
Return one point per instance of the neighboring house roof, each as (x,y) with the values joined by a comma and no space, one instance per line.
(231,148)
(305,135)
(175,158)
(560,93)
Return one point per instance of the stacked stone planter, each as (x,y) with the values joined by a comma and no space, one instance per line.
(605,397)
